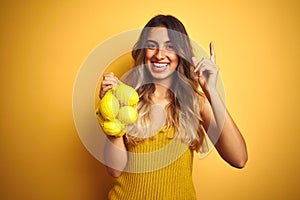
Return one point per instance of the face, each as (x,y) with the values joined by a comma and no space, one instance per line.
(161,58)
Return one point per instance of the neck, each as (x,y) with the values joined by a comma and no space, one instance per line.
(166,82)
(162,86)
(160,90)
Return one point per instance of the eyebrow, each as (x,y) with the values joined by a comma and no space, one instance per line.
(166,42)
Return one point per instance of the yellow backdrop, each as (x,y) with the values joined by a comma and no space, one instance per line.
(43,44)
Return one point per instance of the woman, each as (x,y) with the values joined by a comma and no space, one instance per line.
(167,74)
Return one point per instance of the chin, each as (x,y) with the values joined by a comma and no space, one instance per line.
(162,76)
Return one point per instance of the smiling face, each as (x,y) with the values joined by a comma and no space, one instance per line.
(161,59)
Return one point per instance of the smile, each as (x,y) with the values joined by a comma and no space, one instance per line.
(159,67)
(160,64)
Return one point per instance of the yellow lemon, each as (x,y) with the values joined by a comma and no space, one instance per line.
(109,106)
(99,117)
(121,133)
(126,94)
(127,114)
(113,127)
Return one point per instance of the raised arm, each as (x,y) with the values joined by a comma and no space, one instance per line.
(217,121)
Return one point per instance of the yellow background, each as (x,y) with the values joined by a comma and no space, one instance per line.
(43,44)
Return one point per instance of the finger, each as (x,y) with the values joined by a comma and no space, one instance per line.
(195,61)
(110,77)
(206,61)
(203,62)
(208,68)
(200,68)
(109,82)
(104,90)
(198,64)
(212,52)
(113,79)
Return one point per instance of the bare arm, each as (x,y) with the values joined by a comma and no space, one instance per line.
(223,131)
(115,155)
(217,121)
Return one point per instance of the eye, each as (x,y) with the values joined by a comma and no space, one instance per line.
(170,47)
(150,45)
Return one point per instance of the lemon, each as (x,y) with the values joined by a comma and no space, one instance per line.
(99,117)
(127,114)
(121,133)
(113,127)
(126,94)
(109,106)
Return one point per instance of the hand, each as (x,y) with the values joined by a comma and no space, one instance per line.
(109,81)
(207,70)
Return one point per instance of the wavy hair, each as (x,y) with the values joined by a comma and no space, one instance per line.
(183,111)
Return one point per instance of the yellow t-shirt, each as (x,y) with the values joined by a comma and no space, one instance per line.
(159,168)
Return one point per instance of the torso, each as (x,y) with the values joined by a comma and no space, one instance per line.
(158,168)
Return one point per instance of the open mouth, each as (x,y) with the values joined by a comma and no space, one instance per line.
(159,67)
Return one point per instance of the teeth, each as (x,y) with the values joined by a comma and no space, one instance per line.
(160,64)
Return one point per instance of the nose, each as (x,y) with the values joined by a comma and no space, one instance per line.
(160,54)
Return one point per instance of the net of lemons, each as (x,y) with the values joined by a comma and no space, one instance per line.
(117,109)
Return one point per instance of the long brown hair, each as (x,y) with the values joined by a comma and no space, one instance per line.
(182,113)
